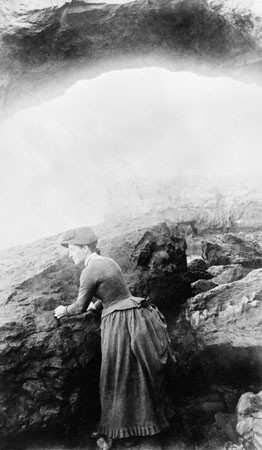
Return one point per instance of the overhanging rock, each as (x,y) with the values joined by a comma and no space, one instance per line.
(46,48)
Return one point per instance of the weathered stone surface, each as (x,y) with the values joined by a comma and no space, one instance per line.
(197,269)
(45,373)
(196,263)
(155,265)
(229,248)
(227,274)
(229,314)
(51,45)
(244,14)
(202,286)
(219,335)
(249,425)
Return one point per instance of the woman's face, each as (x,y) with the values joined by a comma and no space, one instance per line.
(77,253)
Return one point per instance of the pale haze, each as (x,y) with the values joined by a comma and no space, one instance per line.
(59,158)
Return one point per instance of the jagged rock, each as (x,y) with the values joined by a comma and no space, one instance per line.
(219,316)
(48,369)
(227,274)
(51,45)
(197,269)
(231,248)
(243,14)
(219,336)
(196,263)
(202,286)
(154,262)
(249,425)
(215,254)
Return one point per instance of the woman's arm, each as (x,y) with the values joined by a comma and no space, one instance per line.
(86,293)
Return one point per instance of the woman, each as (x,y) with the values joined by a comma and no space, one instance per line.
(134,341)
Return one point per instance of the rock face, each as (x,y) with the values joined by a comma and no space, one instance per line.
(202,286)
(52,45)
(220,315)
(232,249)
(154,263)
(204,204)
(244,14)
(227,274)
(249,425)
(46,373)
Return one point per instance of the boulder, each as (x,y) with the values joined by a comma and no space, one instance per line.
(227,274)
(197,269)
(232,248)
(229,314)
(155,265)
(249,423)
(202,286)
(49,369)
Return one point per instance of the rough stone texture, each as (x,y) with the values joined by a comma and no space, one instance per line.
(218,337)
(229,314)
(197,269)
(244,14)
(202,286)
(249,424)
(46,372)
(227,274)
(51,45)
(196,263)
(154,262)
(229,248)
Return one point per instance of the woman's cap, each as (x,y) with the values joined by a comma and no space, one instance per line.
(79,236)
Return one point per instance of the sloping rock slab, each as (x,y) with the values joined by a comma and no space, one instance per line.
(227,274)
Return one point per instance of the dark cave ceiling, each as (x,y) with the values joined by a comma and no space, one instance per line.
(44,50)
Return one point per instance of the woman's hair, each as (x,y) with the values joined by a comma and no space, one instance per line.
(94,248)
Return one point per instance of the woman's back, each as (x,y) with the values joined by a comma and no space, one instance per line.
(107,277)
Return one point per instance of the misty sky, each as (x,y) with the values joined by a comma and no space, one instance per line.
(58,158)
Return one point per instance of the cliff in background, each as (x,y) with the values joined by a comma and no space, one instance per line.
(221,203)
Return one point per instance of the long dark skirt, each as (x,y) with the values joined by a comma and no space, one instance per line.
(133,381)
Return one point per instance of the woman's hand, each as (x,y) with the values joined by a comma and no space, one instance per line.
(60,311)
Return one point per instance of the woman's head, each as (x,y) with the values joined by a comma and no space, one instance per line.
(78,253)
(80,242)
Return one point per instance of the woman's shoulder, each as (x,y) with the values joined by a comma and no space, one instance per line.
(103,260)
(99,261)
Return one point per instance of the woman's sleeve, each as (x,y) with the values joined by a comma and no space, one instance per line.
(86,292)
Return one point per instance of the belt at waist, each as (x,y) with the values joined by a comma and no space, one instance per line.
(127,303)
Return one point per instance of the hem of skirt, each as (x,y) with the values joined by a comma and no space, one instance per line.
(120,433)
